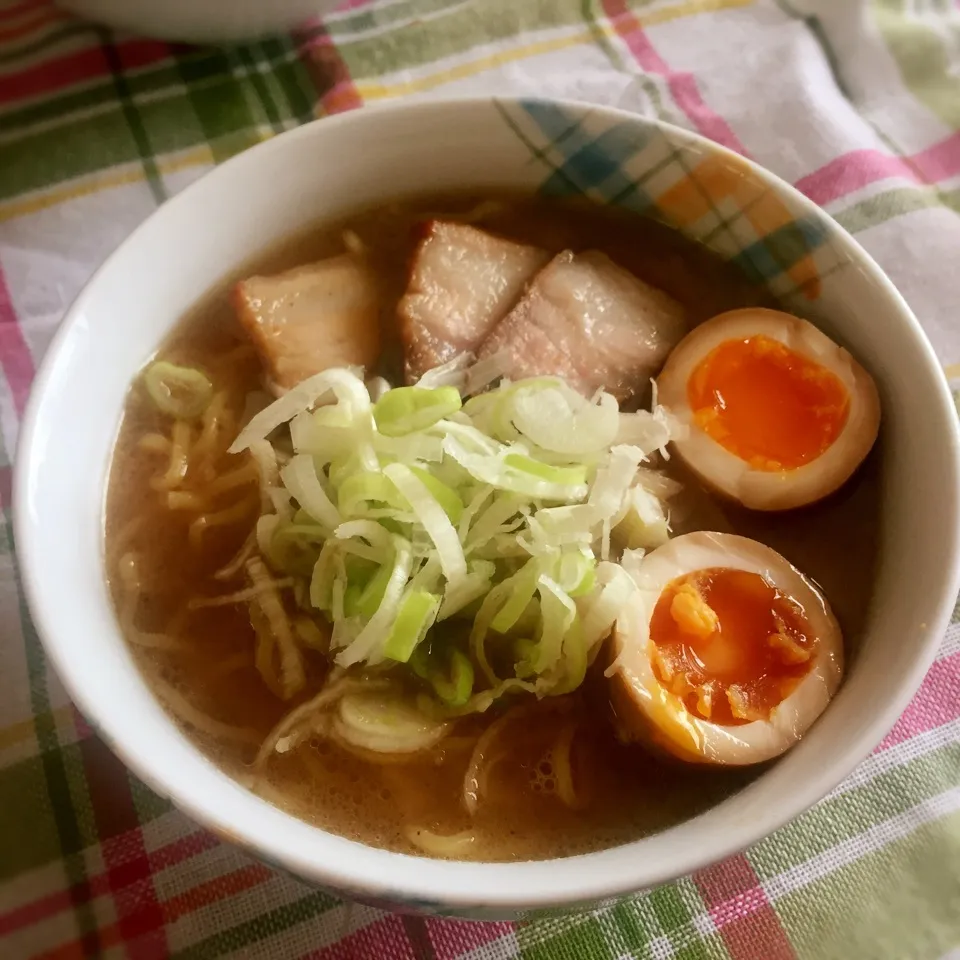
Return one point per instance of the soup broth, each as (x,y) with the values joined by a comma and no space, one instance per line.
(555,779)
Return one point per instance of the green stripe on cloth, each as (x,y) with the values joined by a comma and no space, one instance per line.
(663,922)
(887,205)
(456,32)
(869,909)
(922,55)
(585,939)
(222,111)
(836,819)
(67,152)
(142,115)
(132,116)
(380,19)
(270,923)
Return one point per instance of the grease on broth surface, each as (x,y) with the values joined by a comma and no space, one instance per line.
(623,792)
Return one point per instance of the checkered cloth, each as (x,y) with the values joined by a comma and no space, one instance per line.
(857,104)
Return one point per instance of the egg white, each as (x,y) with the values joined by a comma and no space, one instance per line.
(725,471)
(647,711)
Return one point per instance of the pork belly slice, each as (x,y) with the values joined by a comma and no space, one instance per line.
(462,283)
(591,322)
(310,318)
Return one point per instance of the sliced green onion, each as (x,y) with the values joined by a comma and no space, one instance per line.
(325,442)
(577,572)
(360,489)
(472,587)
(455,689)
(432,517)
(614,592)
(408,409)
(524,586)
(344,383)
(368,644)
(525,656)
(564,476)
(418,508)
(614,480)
(452,682)
(294,547)
(342,468)
(558,419)
(445,495)
(181,392)
(416,616)
(558,612)
(363,597)
(324,572)
(644,524)
(300,478)
(491,469)
(371,531)
(385,722)
(573,661)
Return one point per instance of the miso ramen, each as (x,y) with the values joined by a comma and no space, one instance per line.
(493,528)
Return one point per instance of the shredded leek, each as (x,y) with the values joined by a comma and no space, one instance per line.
(181,392)
(452,682)
(415,617)
(397,518)
(409,409)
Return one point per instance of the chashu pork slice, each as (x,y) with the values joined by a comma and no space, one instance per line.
(310,318)
(591,322)
(463,281)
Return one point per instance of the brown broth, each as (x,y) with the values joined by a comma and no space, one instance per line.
(625,793)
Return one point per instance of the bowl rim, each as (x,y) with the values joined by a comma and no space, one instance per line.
(468,885)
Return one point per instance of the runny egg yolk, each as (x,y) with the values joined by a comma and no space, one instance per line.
(729,644)
(767,404)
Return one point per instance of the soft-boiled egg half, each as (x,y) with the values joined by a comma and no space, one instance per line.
(778,415)
(726,656)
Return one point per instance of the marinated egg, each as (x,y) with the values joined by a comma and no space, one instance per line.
(728,654)
(778,415)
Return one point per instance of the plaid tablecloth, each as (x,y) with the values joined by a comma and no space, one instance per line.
(856,103)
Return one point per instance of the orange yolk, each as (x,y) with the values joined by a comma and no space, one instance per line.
(729,644)
(767,404)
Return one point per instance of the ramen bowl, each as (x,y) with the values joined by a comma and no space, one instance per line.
(325,170)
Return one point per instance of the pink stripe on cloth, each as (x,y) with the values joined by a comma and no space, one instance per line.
(683,86)
(182,849)
(87,64)
(453,938)
(15,358)
(859,168)
(125,872)
(36,911)
(329,74)
(738,905)
(385,938)
(937,702)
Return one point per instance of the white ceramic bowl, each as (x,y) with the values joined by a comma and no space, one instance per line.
(327,168)
(201,21)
